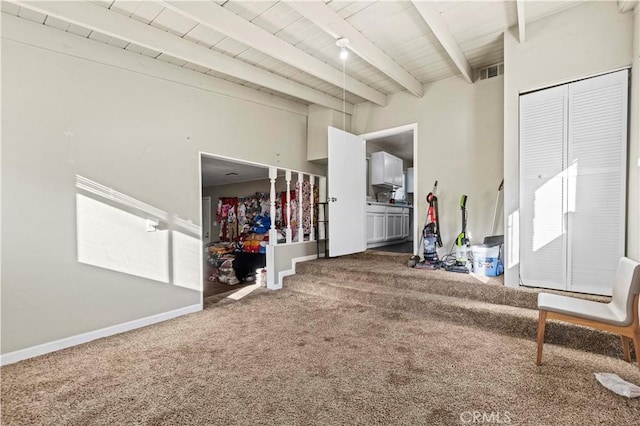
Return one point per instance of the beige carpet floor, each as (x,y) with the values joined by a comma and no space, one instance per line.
(285,358)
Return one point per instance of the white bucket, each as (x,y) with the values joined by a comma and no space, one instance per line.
(486,260)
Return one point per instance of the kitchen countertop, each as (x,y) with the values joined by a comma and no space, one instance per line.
(375,203)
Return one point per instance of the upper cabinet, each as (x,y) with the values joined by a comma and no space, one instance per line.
(386,169)
(409,189)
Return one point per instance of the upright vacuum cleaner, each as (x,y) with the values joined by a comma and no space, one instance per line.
(430,238)
(461,263)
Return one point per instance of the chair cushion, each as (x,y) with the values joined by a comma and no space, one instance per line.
(587,309)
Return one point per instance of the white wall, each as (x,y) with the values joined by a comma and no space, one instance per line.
(317,136)
(137,132)
(459,144)
(588,39)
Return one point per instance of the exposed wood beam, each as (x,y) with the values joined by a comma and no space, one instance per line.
(521,20)
(228,23)
(327,19)
(441,30)
(114,24)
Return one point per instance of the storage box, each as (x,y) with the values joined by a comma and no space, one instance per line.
(486,260)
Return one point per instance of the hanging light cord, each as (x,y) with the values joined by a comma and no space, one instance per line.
(344,102)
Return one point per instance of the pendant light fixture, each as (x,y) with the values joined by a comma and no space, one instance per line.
(342,43)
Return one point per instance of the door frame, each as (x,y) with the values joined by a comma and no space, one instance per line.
(392,132)
(201,155)
(206,199)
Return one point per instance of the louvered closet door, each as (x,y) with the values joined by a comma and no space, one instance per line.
(543,117)
(596,181)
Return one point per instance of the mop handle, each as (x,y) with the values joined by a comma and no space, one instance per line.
(495,210)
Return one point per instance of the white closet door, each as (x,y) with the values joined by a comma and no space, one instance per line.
(543,132)
(596,181)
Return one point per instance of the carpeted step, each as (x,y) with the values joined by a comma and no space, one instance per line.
(386,270)
(422,280)
(500,318)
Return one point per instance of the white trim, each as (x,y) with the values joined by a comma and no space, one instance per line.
(67,342)
(253,163)
(292,271)
(201,267)
(390,132)
(271,268)
(573,80)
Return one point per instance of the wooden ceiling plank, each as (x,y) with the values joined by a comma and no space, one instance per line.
(326,18)
(99,19)
(237,28)
(440,29)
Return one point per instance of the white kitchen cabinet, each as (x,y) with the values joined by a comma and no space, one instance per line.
(376,227)
(409,189)
(386,169)
(386,224)
(405,223)
(394,226)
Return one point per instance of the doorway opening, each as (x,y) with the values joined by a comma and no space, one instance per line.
(234,195)
(391,215)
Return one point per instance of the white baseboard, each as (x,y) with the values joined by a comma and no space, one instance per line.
(292,271)
(67,342)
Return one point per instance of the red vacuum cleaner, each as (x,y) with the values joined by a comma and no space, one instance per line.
(430,239)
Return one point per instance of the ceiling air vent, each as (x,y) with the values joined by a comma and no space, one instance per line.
(491,71)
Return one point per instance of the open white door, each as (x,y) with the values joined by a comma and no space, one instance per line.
(347,193)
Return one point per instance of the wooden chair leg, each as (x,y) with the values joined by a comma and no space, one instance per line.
(636,347)
(625,348)
(542,322)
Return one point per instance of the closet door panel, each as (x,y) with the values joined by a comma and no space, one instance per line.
(596,181)
(543,134)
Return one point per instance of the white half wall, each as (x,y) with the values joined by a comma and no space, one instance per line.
(459,145)
(584,40)
(131,128)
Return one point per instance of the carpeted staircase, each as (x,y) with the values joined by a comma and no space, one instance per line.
(383,280)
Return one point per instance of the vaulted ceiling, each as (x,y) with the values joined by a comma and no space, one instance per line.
(288,49)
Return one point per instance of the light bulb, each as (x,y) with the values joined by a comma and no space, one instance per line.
(342,43)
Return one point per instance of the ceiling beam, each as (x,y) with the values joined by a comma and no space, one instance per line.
(521,20)
(326,18)
(441,30)
(228,23)
(111,23)
(625,6)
